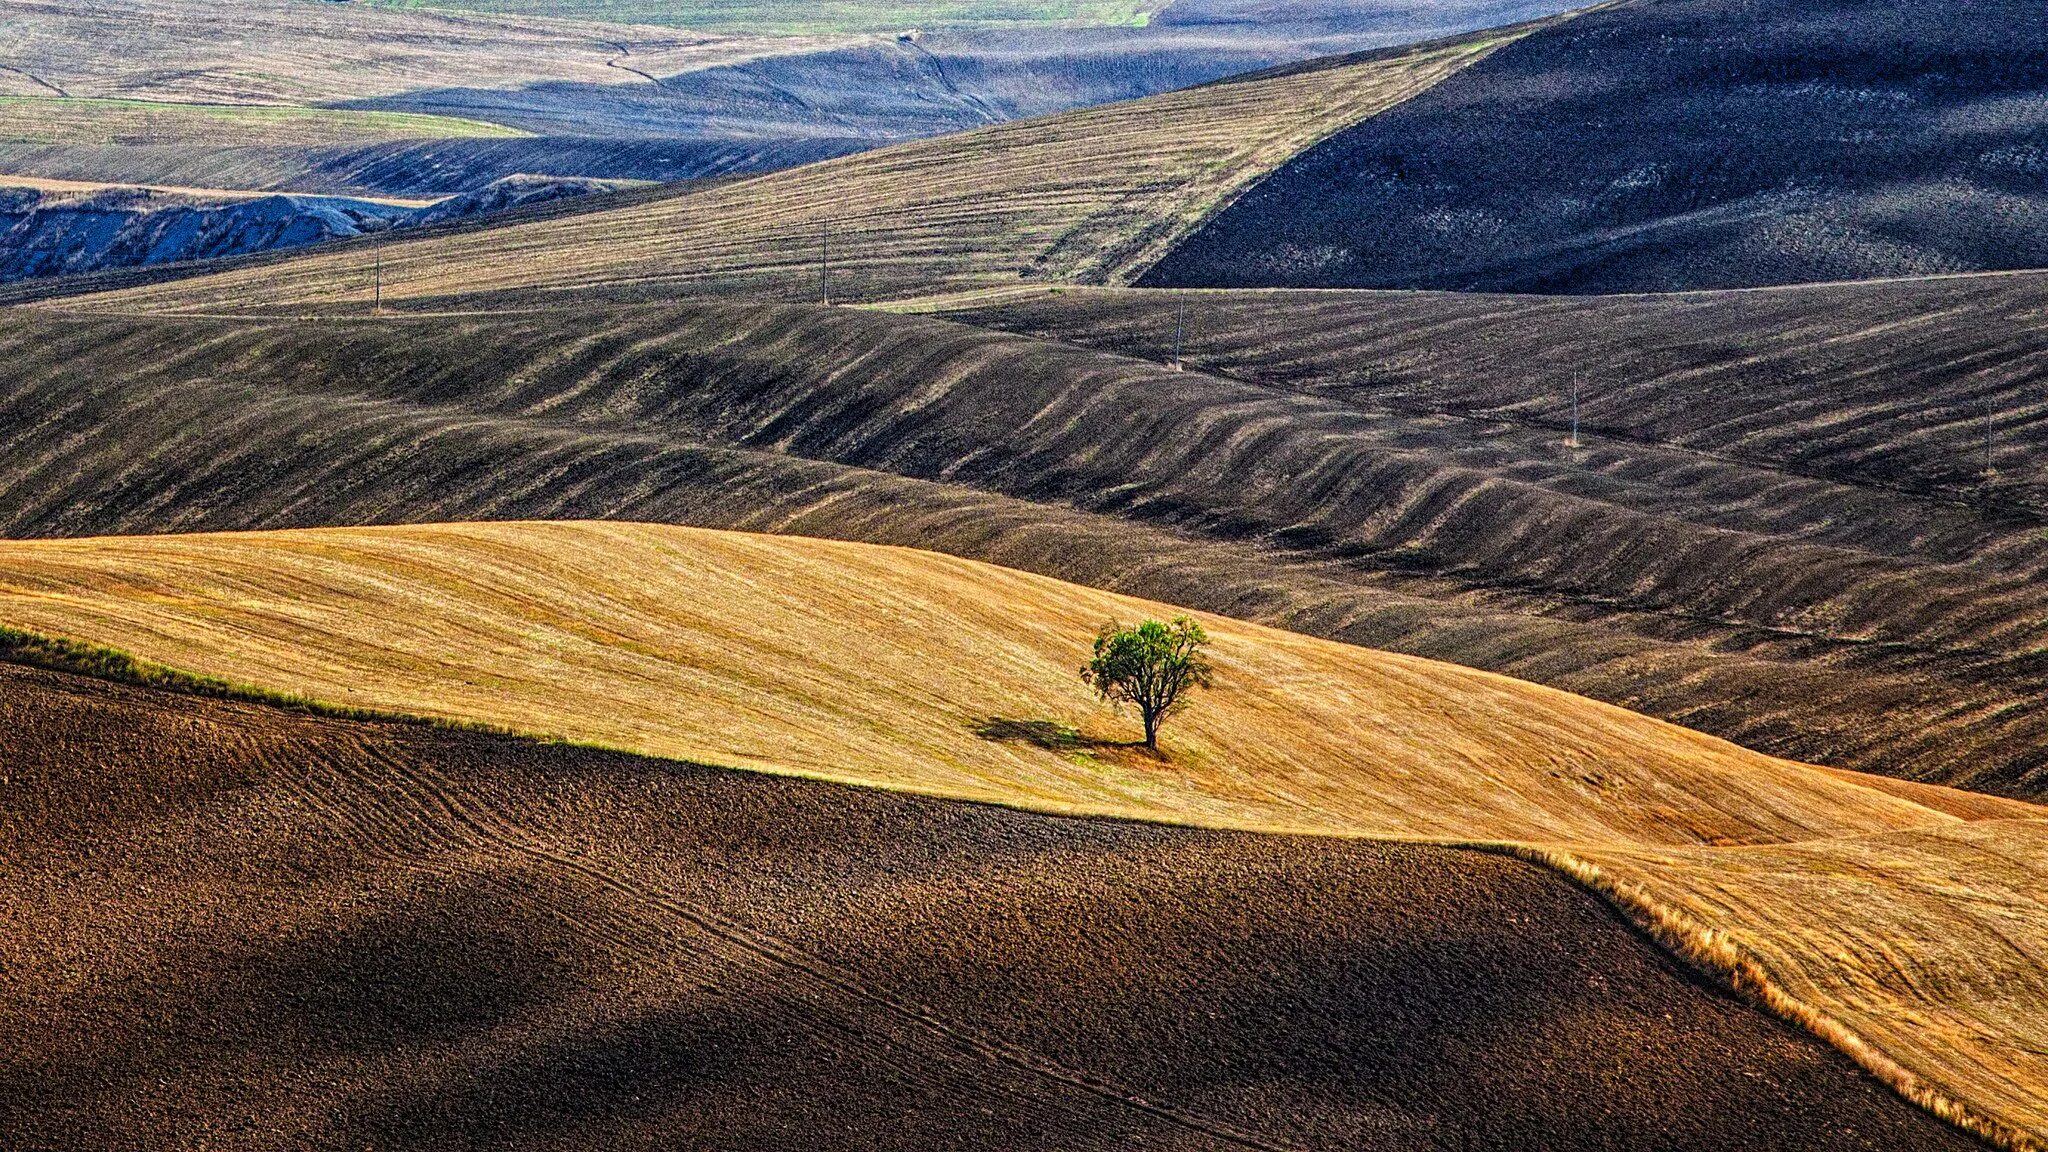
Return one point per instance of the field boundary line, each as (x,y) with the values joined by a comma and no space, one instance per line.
(1716,955)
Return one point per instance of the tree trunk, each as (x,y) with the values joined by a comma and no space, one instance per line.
(1152,732)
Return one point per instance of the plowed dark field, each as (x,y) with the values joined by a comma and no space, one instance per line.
(1673,145)
(232,926)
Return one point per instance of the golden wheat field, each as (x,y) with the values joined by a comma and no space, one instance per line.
(1094,195)
(1901,922)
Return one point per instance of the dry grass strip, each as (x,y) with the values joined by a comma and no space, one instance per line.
(1901,923)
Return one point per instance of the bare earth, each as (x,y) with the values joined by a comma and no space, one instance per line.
(260,930)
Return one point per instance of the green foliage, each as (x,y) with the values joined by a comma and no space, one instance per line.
(1151,667)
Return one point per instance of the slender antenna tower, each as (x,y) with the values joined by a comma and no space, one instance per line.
(825,263)
(1575,411)
(1180,327)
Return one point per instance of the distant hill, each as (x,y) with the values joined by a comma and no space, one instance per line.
(1090,195)
(54,233)
(1662,145)
(372,101)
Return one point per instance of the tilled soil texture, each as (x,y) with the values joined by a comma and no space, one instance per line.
(235,927)
(1770,551)
(1668,145)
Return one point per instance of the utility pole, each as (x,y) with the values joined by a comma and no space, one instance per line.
(1180,327)
(377,290)
(1987,439)
(825,263)
(1575,411)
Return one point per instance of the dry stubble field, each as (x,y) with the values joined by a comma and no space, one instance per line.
(1902,922)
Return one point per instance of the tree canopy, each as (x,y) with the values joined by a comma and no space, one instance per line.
(1151,667)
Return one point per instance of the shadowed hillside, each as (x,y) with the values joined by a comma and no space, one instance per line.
(355,963)
(1677,144)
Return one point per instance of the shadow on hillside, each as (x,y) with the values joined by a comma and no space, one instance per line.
(1050,735)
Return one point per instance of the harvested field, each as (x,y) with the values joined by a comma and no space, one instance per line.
(1835,621)
(411,168)
(911,671)
(621,634)
(88,188)
(34,121)
(1090,195)
(267,930)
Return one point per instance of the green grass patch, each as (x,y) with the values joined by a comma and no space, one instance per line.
(805,17)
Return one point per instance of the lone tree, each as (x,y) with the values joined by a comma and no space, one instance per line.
(1151,667)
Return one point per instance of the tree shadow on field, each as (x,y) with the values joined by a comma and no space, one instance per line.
(1054,736)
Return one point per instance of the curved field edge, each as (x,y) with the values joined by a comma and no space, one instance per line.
(1713,954)
(1722,957)
(1127,934)
(1631,872)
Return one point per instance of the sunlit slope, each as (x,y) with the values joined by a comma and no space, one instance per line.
(1094,195)
(1904,932)
(878,665)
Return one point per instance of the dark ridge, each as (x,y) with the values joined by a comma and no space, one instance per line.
(237,927)
(1821,617)
(1664,145)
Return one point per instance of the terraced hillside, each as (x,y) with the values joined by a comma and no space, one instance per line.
(1091,195)
(294,937)
(1838,901)
(1834,620)
(1661,145)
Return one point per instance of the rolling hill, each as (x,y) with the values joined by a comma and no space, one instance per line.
(1664,145)
(367,101)
(1094,194)
(51,228)
(1863,911)
(1804,519)
(1843,619)
(263,929)
(812,16)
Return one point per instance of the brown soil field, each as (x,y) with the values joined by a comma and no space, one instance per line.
(1093,195)
(1907,931)
(1823,616)
(232,926)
